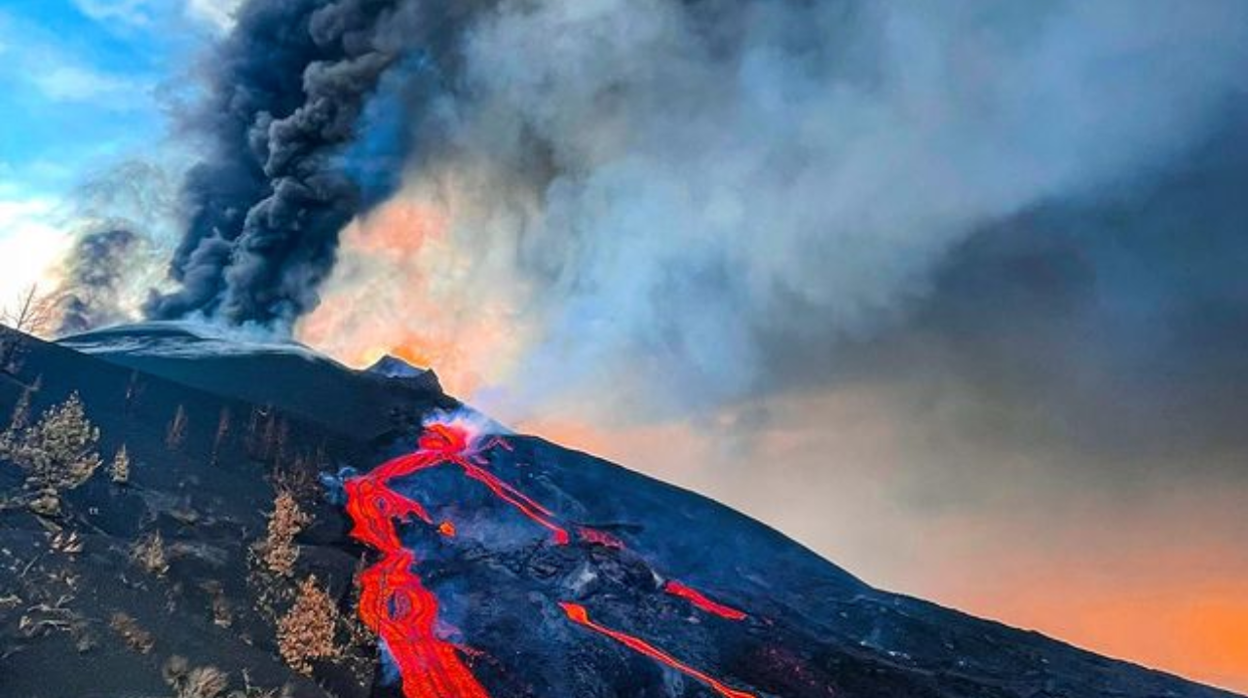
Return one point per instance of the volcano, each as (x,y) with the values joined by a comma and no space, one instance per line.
(458,559)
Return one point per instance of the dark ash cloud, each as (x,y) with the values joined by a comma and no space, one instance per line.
(286,91)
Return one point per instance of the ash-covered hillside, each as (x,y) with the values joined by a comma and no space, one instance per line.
(256,520)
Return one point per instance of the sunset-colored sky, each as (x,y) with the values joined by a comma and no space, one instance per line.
(955,298)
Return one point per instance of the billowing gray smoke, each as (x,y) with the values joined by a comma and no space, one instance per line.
(90,295)
(713,191)
(287,89)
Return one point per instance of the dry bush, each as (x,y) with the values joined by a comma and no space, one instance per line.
(306,631)
(68,543)
(222,609)
(149,553)
(298,477)
(32,313)
(204,682)
(135,637)
(199,682)
(251,690)
(119,470)
(278,551)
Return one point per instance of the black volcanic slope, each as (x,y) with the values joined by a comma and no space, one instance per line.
(79,617)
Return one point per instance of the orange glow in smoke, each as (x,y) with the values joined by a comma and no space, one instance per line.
(403,287)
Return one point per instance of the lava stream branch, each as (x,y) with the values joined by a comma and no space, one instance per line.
(700,600)
(394,603)
(577,614)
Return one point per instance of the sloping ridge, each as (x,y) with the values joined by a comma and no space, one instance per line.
(285,375)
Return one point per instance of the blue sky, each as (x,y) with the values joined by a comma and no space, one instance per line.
(84,85)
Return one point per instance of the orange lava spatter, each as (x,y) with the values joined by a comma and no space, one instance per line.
(700,600)
(579,615)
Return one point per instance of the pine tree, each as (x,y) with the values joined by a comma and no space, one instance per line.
(120,468)
(59,451)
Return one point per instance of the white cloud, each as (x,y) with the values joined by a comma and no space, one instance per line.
(32,243)
(70,83)
(133,12)
(216,13)
(58,73)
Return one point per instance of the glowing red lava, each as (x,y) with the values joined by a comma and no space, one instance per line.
(393,602)
(602,538)
(396,605)
(580,616)
(700,600)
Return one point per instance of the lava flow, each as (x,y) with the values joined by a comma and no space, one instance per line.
(393,601)
(700,600)
(580,616)
(396,605)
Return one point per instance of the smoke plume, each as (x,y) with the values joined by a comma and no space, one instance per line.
(286,90)
(91,293)
(559,197)
(701,194)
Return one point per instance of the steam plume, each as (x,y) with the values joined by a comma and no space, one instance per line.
(90,295)
(690,191)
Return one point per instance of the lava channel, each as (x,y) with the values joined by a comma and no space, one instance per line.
(394,603)
(580,616)
(700,600)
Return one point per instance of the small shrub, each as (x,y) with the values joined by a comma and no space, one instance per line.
(204,682)
(149,554)
(278,550)
(199,682)
(306,631)
(135,637)
(119,470)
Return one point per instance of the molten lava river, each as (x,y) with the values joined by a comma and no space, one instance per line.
(396,606)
